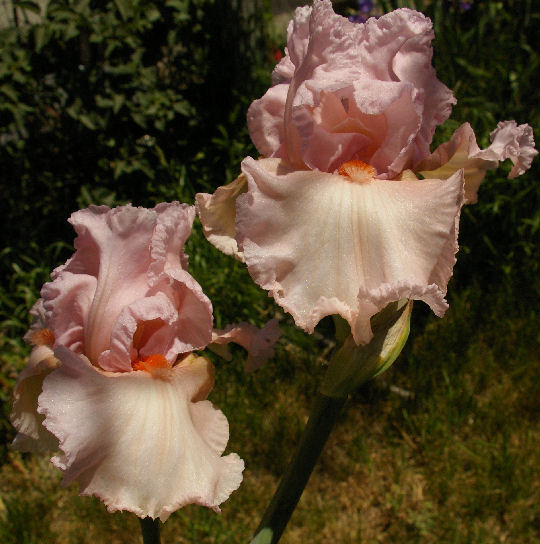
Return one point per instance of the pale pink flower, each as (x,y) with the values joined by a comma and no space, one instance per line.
(332,219)
(120,391)
(349,91)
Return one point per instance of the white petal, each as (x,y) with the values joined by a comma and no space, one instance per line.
(137,440)
(324,245)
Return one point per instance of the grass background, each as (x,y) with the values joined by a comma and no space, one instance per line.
(442,447)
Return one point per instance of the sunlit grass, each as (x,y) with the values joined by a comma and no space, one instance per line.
(442,448)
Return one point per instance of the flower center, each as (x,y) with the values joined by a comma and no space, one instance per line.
(356,170)
(42,337)
(150,363)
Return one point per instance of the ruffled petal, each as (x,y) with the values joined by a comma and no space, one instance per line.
(509,141)
(217,213)
(172,229)
(373,121)
(145,317)
(259,343)
(128,274)
(67,301)
(404,38)
(31,434)
(192,329)
(39,320)
(113,245)
(174,318)
(265,120)
(136,439)
(387,62)
(323,245)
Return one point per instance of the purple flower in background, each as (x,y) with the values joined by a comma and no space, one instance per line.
(362,15)
(365,6)
(357,19)
(465,6)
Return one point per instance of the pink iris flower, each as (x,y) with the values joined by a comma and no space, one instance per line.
(112,380)
(333,219)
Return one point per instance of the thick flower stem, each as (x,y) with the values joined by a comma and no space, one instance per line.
(150,530)
(321,421)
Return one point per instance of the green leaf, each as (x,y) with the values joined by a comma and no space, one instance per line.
(118,102)
(263,537)
(41,36)
(28,6)
(9,92)
(87,121)
(125,7)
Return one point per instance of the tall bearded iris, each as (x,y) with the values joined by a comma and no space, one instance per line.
(112,380)
(333,219)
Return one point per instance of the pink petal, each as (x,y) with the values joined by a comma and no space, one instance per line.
(265,120)
(128,274)
(39,320)
(113,246)
(172,229)
(259,343)
(387,62)
(67,301)
(217,213)
(176,317)
(372,121)
(192,328)
(508,141)
(31,435)
(323,245)
(157,310)
(138,441)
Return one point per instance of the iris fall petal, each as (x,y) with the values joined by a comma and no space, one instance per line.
(137,440)
(218,214)
(259,343)
(31,435)
(322,245)
(509,141)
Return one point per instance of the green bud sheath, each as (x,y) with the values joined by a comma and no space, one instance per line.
(352,365)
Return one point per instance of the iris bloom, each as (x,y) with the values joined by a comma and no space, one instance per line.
(332,219)
(112,379)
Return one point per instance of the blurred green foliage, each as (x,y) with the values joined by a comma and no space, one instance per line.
(108,102)
(115,101)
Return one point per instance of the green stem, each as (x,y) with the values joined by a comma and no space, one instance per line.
(150,530)
(321,421)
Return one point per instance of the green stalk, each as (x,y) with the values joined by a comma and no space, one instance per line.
(150,530)
(321,421)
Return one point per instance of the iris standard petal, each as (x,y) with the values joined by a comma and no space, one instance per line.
(387,61)
(67,301)
(113,246)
